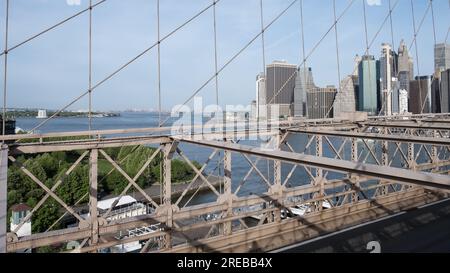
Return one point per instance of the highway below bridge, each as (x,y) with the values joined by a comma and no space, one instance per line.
(422,230)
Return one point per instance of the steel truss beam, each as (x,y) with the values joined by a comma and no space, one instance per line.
(274,235)
(382,137)
(432,181)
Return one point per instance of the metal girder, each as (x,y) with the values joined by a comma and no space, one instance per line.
(53,189)
(3,196)
(35,148)
(409,124)
(432,181)
(309,226)
(383,137)
(42,239)
(128,178)
(46,189)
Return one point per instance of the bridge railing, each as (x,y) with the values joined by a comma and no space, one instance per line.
(302,187)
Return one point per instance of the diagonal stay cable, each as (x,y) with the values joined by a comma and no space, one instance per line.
(5,71)
(420,24)
(415,35)
(51,28)
(314,49)
(391,9)
(446,36)
(117,71)
(233,58)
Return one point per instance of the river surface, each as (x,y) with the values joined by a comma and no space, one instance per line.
(254,185)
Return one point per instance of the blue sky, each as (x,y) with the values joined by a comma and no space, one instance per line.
(52,70)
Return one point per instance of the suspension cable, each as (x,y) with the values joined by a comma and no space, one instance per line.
(5,75)
(337,60)
(420,25)
(90,65)
(365,27)
(446,36)
(366,51)
(117,71)
(216,63)
(367,42)
(337,43)
(263,43)
(263,56)
(216,56)
(417,57)
(159,61)
(233,58)
(51,28)
(397,73)
(433,21)
(305,80)
(313,49)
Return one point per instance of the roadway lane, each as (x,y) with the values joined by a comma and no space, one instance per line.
(423,230)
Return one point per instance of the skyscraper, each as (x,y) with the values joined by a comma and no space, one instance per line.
(368,72)
(345,99)
(388,72)
(405,64)
(280,83)
(445,91)
(402,101)
(303,82)
(441,57)
(320,102)
(261,108)
(436,94)
(420,95)
(395,95)
(405,69)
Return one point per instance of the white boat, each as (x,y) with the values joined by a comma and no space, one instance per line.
(295,211)
(42,114)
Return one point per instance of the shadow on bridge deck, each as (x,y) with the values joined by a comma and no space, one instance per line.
(423,230)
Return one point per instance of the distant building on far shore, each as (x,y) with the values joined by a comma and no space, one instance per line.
(369,75)
(10,126)
(445,91)
(320,102)
(420,95)
(42,114)
(280,84)
(346,98)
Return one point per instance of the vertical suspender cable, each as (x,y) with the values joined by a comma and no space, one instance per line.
(435,42)
(417,57)
(5,75)
(446,36)
(263,42)
(90,65)
(263,36)
(215,55)
(337,60)
(159,63)
(391,25)
(367,46)
(433,21)
(159,97)
(394,59)
(305,80)
(365,27)
(216,85)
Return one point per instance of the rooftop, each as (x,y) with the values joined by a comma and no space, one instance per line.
(106,204)
(20,207)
